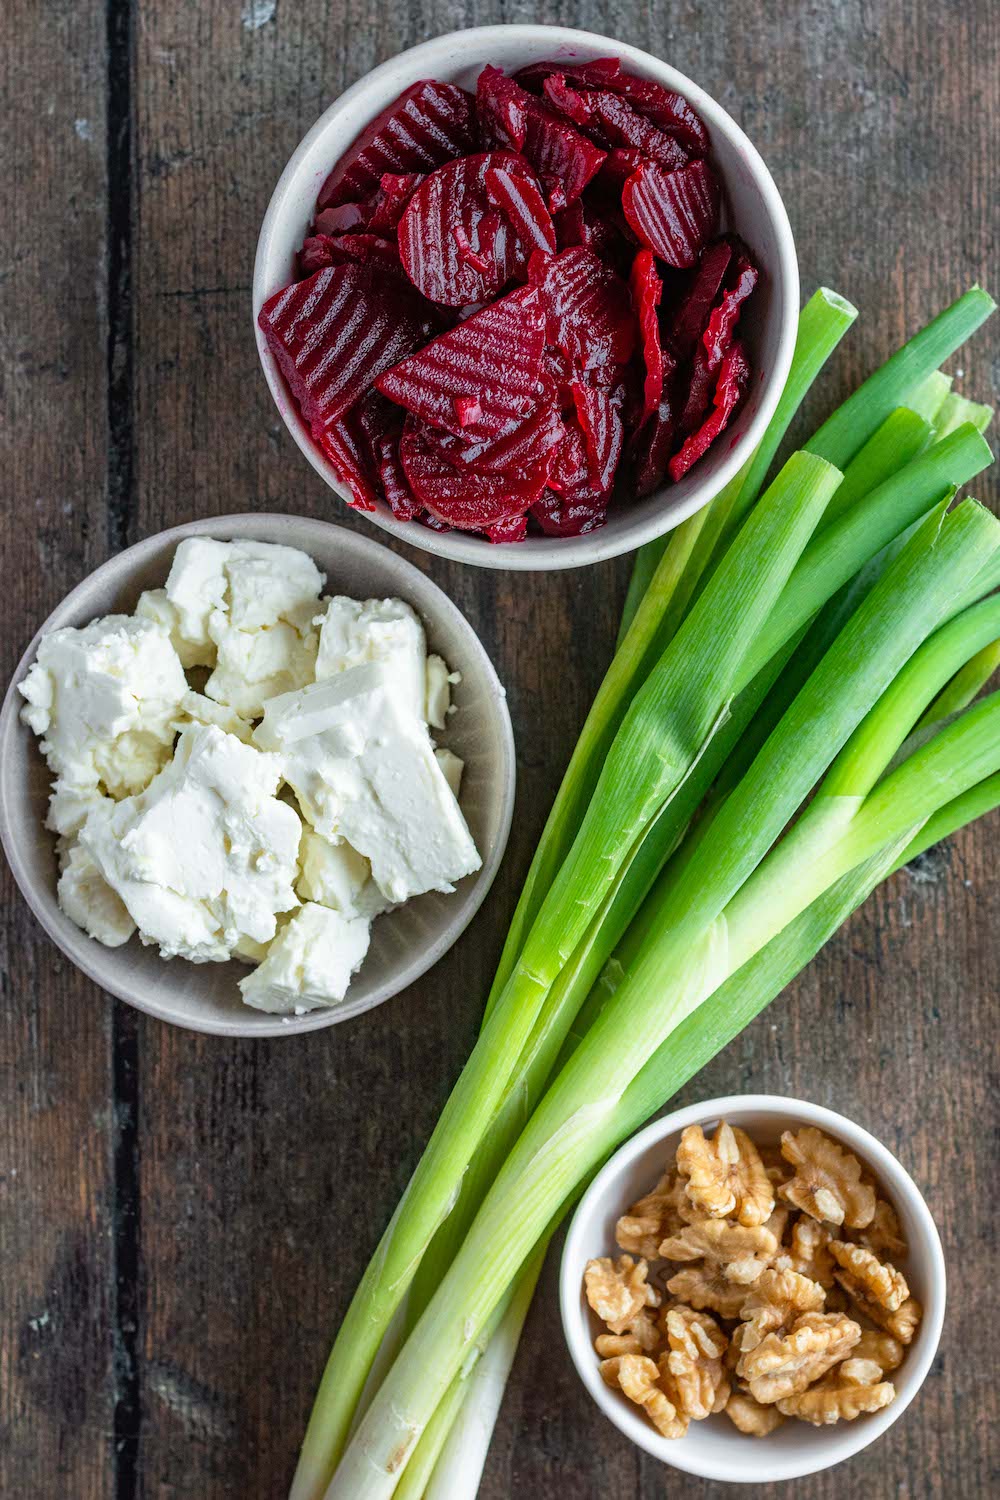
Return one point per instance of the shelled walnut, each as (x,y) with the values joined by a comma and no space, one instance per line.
(783,1299)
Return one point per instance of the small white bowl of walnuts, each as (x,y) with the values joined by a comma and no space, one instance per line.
(752,1289)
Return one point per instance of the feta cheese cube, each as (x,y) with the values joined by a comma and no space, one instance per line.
(452,766)
(438,692)
(363,769)
(252,666)
(353,632)
(104,698)
(310,963)
(154,605)
(206,855)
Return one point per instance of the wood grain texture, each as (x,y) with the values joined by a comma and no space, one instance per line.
(57,1196)
(260,1175)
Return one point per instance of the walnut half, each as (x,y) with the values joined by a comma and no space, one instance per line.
(827,1182)
(725,1175)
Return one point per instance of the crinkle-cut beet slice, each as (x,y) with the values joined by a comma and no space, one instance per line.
(494,357)
(564,159)
(669,111)
(559,515)
(716,339)
(568,101)
(647,289)
(342,219)
(433,523)
(652,447)
(401,499)
(588,312)
(340,250)
(673,213)
(734,372)
(464,497)
(688,323)
(501,109)
(599,413)
(523,207)
(513,529)
(598,73)
(426,126)
(353,443)
(525,447)
(333,334)
(450,222)
(386,204)
(619,125)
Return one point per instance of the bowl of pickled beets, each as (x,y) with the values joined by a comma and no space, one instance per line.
(526,297)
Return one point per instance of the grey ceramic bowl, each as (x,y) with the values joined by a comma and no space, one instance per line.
(405,942)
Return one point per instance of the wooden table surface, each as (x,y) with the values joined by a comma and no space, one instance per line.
(182,1218)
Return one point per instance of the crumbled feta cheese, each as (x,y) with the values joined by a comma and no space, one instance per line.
(310,962)
(363,769)
(254,665)
(353,632)
(197,709)
(154,605)
(452,766)
(69,805)
(254,583)
(90,902)
(207,853)
(438,692)
(104,698)
(335,875)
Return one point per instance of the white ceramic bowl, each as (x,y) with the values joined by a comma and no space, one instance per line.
(714,1449)
(753,208)
(405,942)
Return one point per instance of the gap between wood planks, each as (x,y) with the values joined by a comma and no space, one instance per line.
(119,487)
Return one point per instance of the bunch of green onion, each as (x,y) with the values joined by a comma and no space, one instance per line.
(790,715)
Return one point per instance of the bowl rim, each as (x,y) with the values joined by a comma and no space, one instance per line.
(540,554)
(899,1184)
(79,947)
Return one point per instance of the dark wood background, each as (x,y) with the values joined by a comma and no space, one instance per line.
(182,1219)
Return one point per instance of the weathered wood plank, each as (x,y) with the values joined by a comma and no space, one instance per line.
(56,1195)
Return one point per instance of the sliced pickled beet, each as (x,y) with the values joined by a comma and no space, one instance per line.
(564,159)
(464,497)
(426,126)
(598,73)
(401,499)
(526,446)
(594,225)
(588,313)
(622,126)
(385,206)
(453,244)
(716,339)
(513,529)
(342,219)
(652,448)
(669,111)
(691,316)
(734,372)
(673,213)
(353,444)
(567,101)
(523,206)
(599,414)
(493,357)
(563,515)
(433,523)
(647,289)
(501,109)
(333,334)
(340,250)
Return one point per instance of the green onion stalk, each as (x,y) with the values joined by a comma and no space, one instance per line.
(670,720)
(665,708)
(733,902)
